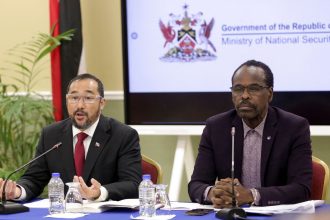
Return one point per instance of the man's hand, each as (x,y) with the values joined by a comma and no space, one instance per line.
(92,192)
(221,194)
(12,190)
(243,195)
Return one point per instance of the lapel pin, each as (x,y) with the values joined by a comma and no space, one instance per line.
(97,144)
(269,137)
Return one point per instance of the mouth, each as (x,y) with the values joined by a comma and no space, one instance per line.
(245,107)
(79,115)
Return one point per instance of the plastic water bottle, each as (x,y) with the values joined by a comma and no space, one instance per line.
(56,194)
(147,197)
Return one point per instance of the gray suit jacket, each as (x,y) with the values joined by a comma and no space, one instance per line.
(286,164)
(113,158)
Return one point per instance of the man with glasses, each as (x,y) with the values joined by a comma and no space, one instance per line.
(99,152)
(273,163)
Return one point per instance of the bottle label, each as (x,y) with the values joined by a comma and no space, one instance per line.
(56,204)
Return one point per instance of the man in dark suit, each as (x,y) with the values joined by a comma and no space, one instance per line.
(110,162)
(273,162)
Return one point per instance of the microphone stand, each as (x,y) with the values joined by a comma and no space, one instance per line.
(12,207)
(234,212)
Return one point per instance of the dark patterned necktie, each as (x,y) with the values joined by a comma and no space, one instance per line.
(251,160)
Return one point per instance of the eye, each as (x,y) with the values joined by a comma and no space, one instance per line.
(254,88)
(74,98)
(89,98)
(238,88)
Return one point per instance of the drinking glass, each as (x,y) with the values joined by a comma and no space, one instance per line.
(162,200)
(73,199)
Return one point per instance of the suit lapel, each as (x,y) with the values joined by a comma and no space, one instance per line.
(97,145)
(67,142)
(268,137)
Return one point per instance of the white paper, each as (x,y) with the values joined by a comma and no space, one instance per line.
(66,215)
(307,207)
(97,207)
(92,207)
(188,206)
(44,203)
(156,217)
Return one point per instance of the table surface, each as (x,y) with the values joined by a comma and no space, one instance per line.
(118,214)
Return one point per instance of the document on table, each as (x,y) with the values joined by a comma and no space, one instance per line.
(42,204)
(96,207)
(126,203)
(189,206)
(66,215)
(156,217)
(304,207)
(93,207)
(307,207)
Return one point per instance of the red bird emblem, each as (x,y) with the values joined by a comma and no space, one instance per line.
(168,32)
(205,33)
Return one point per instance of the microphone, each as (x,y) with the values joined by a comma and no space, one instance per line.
(234,212)
(11,207)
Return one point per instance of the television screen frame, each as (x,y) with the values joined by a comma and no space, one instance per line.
(194,107)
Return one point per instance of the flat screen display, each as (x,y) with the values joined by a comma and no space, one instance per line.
(179,56)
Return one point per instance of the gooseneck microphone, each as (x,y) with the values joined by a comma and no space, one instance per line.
(234,202)
(235,212)
(11,207)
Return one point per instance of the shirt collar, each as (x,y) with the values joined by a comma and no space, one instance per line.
(90,131)
(259,129)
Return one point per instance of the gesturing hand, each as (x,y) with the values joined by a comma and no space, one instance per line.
(88,192)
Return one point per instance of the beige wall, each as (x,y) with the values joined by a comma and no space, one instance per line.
(19,21)
(22,19)
(102,38)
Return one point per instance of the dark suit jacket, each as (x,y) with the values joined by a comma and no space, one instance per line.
(286,164)
(115,161)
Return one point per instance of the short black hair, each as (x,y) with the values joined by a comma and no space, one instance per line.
(269,78)
(100,87)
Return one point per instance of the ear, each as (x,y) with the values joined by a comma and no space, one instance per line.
(270,97)
(102,103)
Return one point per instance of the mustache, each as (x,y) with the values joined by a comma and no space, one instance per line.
(80,112)
(245,103)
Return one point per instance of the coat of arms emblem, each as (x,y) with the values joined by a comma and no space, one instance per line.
(187,38)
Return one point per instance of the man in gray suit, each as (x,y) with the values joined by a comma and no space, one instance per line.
(110,159)
(273,162)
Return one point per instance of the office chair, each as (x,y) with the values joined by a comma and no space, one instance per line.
(150,166)
(320,180)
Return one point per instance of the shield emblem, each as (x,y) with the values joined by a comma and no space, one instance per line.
(187,44)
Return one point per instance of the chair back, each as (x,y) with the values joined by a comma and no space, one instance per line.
(320,181)
(150,166)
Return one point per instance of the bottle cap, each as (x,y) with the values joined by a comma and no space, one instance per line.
(146,177)
(55,174)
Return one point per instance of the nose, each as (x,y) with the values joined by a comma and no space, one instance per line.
(245,94)
(81,102)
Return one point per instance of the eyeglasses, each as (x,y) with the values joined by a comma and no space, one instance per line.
(88,99)
(252,89)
